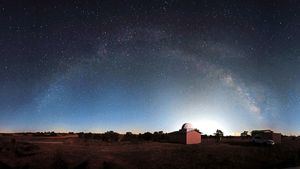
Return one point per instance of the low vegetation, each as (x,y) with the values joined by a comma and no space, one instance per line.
(115,151)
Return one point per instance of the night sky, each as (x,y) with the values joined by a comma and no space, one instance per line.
(142,65)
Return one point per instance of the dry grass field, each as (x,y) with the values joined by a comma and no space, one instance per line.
(71,152)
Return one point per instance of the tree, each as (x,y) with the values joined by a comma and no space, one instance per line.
(129,137)
(111,136)
(147,136)
(219,134)
(244,134)
(158,136)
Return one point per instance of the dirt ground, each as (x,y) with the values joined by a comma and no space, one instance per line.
(70,152)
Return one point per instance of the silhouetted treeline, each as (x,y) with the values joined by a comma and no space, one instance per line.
(50,134)
(107,136)
(112,136)
(45,134)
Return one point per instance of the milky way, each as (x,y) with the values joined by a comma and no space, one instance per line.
(148,66)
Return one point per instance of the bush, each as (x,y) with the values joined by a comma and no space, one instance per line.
(159,136)
(110,136)
(146,136)
(129,137)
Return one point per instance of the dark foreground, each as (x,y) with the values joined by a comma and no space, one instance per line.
(70,152)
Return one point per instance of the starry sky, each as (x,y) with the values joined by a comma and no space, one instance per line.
(138,65)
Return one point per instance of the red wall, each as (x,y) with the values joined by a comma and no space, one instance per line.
(193,137)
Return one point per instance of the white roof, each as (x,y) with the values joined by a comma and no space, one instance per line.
(187,126)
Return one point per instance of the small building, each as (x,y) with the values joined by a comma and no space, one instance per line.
(186,135)
(267,135)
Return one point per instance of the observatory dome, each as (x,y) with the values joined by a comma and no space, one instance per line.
(187,126)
